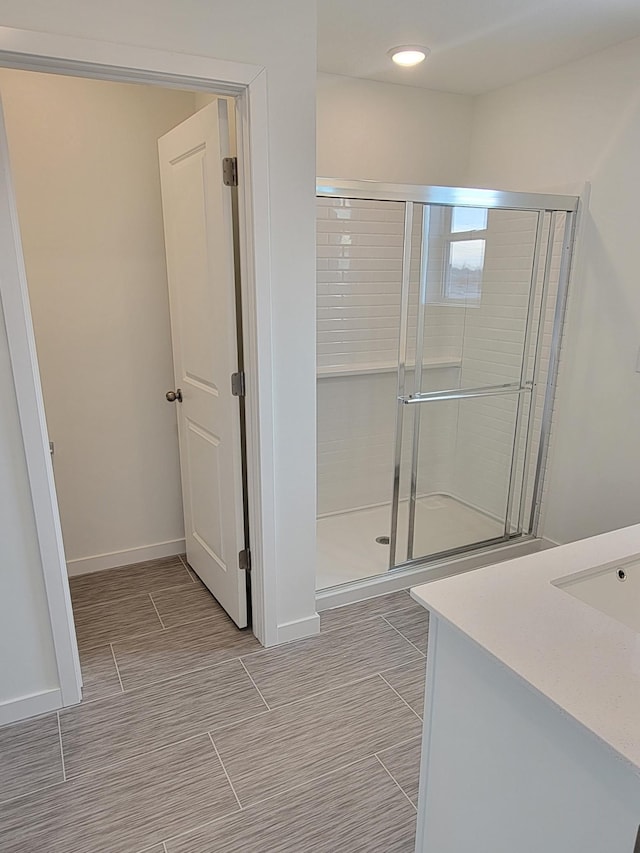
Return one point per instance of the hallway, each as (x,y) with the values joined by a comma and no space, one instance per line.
(193,738)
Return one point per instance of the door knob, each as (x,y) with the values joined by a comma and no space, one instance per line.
(172,396)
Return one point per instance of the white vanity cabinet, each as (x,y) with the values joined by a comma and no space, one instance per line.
(532,711)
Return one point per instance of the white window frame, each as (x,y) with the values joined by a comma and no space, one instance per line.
(449,238)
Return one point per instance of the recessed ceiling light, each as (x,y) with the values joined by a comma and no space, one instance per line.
(408,55)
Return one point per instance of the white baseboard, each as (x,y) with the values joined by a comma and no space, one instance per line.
(30,706)
(299,629)
(86,565)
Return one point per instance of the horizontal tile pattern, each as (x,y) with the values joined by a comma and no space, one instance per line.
(358,810)
(351,614)
(99,674)
(184,604)
(356,425)
(409,682)
(291,745)
(291,672)
(97,734)
(99,624)
(403,762)
(127,808)
(413,624)
(154,657)
(30,756)
(128,580)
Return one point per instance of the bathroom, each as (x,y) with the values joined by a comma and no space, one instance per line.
(559,116)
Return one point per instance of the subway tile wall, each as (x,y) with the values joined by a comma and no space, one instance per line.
(359,278)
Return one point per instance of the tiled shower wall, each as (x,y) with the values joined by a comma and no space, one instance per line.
(359,276)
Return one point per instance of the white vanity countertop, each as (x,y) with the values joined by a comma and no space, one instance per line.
(585,662)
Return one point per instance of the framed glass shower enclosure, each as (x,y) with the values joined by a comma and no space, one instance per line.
(440,309)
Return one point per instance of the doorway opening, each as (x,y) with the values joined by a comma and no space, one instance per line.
(134,291)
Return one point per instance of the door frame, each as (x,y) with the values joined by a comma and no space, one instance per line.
(58,54)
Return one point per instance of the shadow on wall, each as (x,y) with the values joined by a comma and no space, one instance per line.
(595,487)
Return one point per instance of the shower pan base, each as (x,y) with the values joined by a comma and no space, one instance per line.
(347,547)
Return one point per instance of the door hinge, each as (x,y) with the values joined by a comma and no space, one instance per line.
(244,560)
(230,171)
(238,384)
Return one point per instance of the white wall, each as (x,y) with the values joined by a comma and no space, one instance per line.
(27,664)
(382,132)
(279,36)
(91,222)
(581,123)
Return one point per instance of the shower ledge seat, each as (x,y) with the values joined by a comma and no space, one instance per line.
(383,367)
(532,711)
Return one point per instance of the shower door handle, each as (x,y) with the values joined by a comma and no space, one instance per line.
(465,393)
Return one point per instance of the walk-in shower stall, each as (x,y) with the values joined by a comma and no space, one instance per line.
(439,323)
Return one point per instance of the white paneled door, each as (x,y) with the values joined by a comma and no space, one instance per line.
(199,247)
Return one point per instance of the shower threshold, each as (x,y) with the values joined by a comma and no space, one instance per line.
(347,546)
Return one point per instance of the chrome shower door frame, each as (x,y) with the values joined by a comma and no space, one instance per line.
(541,204)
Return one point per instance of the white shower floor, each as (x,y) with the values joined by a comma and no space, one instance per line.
(347,547)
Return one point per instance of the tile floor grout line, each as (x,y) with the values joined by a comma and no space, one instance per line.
(311,781)
(309,696)
(99,698)
(288,643)
(119,592)
(400,697)
(127,637)
(96,770)
(64,770)
(247,808)
(164,627)
(115,663)
(153,847)
(31,791)
(315,695)
(395,781)
(403,636)
(186,565)
(401,609)
(254,684)
(364,619)
(397,745)
(139,593)
(186,568)
(172,677)
(399,665)
(235,793)
(239,659)
(242,720)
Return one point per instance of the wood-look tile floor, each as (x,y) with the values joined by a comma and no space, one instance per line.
(191,738)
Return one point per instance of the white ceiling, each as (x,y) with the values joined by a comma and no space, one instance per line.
(477,45)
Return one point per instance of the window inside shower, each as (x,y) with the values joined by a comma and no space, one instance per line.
(438,331)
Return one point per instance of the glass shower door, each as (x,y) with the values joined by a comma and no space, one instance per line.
(473,320)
